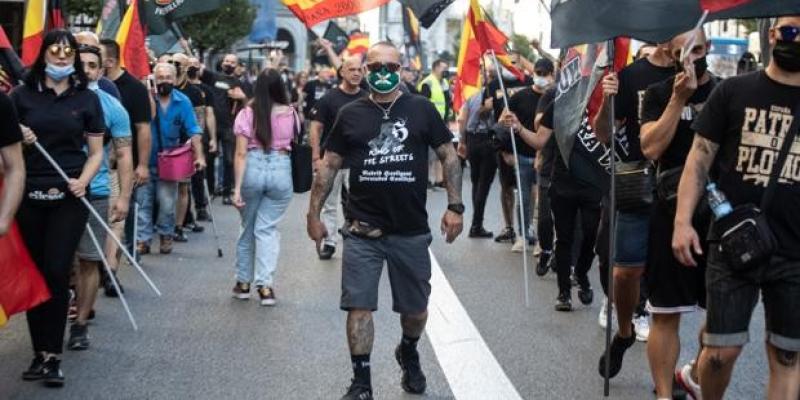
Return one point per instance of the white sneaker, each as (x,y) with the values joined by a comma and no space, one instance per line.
(518,246)
(641,325)
(684,378)
(602,317)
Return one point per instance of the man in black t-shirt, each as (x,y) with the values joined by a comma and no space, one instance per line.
(209,123)
(314,89)
(740,133)
(384,140)
(493,97)
(12,165)
(668,110)
(323,115)
(632,227)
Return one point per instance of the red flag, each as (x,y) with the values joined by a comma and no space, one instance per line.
(21,285)
(4,42)
(720,5)
(55,18)
(491,38)
(312,12)
(130,38)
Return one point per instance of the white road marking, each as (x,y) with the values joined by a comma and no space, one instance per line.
(468,364)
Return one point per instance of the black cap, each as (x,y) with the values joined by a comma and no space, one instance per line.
(544,65)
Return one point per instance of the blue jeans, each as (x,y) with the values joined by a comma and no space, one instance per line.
(266,191)
(527,176)
(166,194)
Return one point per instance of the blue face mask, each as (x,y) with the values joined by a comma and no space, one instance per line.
(57,73)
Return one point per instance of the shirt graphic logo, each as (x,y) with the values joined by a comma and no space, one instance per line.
(763,133)
(390,140)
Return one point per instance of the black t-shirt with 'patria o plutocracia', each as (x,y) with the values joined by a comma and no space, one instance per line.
(388,160)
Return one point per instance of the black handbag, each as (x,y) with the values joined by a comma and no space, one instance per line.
(745,237)
(302,169)
(667,182)
(635,185)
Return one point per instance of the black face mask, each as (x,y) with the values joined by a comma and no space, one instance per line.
(228,69)
(787,55)
(192,71)
(700,67)
(164,88)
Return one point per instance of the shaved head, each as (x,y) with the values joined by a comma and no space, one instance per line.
(383,52)
(88,38)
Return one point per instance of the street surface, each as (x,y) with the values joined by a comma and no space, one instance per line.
(197,342)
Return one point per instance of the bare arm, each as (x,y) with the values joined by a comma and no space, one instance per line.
(314,137)
(239,162)
(657,135)
(463,117)
(693,180)
(143,143)
(323,182)
(211,124)
(13,184)
(122,148)
(451,168)
(601,123)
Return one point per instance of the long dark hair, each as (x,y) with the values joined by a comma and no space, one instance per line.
(36,75)
(269,90)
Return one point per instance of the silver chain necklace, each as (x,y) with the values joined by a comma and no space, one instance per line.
(386,110)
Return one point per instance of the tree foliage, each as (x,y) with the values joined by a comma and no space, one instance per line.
(221,28)
(521,44)
(90,8)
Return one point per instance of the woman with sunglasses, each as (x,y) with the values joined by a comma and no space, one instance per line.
(262,183)
(58,111)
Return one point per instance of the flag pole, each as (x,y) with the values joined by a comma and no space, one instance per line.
(111,276)
(612,200)
(519,183)
(99,219)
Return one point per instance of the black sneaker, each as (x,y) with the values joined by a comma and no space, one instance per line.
(109,289)
(180,236)
(413,379)
(326,252)
(544,263)
(506,236)
(586,295)
(267,295)
(480,233)
(241,291)
(358,391)
(564,301)
(227,201)
(202,215)
(194,228)
(78,337)
(51,373)
(34,372)
(618,347)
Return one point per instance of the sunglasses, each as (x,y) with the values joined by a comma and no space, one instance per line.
(789,33)
(377,66)
(55,49)
(90,65)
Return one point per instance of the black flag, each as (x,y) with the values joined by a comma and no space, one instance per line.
(426,10)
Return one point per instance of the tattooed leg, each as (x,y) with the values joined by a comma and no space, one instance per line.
(360,331)
(784,373)
(414,325)
(714,369)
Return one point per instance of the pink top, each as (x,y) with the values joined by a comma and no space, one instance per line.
(283,128)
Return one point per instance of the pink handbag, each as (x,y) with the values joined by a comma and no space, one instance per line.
(175,165)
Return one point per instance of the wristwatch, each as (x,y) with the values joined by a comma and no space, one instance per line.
(457,208)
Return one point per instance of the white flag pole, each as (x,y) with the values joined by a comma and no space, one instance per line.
(111,276)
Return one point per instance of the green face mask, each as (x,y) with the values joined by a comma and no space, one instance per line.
(383,81)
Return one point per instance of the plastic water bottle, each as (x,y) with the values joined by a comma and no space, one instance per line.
(718,202)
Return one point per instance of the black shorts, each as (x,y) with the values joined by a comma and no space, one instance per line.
(409,265)
(507,177)
(673,287)
(732,296)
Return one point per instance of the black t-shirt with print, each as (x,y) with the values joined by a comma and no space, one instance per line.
(748,116)
(10,132)
(60,123)
(327,107)
(195,94)
(548,152)
(388,160)
(655,102)
(523,104)
(633,82)
(512,86)
(136,101)
(313,91)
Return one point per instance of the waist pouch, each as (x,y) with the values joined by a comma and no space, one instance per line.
(364,230)
(744,238)
(667,193)
(635,185)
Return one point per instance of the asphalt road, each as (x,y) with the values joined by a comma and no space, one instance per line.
(196,342)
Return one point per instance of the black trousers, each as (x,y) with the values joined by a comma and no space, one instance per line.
(51,231)
(566,205)
(483,165)
(544,227)
(228,149)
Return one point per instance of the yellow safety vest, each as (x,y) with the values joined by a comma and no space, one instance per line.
(437,94)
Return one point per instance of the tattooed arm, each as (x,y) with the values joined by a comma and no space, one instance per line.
(693,180)
(452,223)
(323,183)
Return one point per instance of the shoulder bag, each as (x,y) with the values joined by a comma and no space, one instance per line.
(745,237)
(635,185)
(302,168)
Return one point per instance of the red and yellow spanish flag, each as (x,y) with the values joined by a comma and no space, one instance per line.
(358,44)
(130,38)
(490,38)
(33,30)
(312,12)
(720,5)
(468,75)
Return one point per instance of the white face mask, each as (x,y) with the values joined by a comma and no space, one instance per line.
(93,85)
(541,81)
